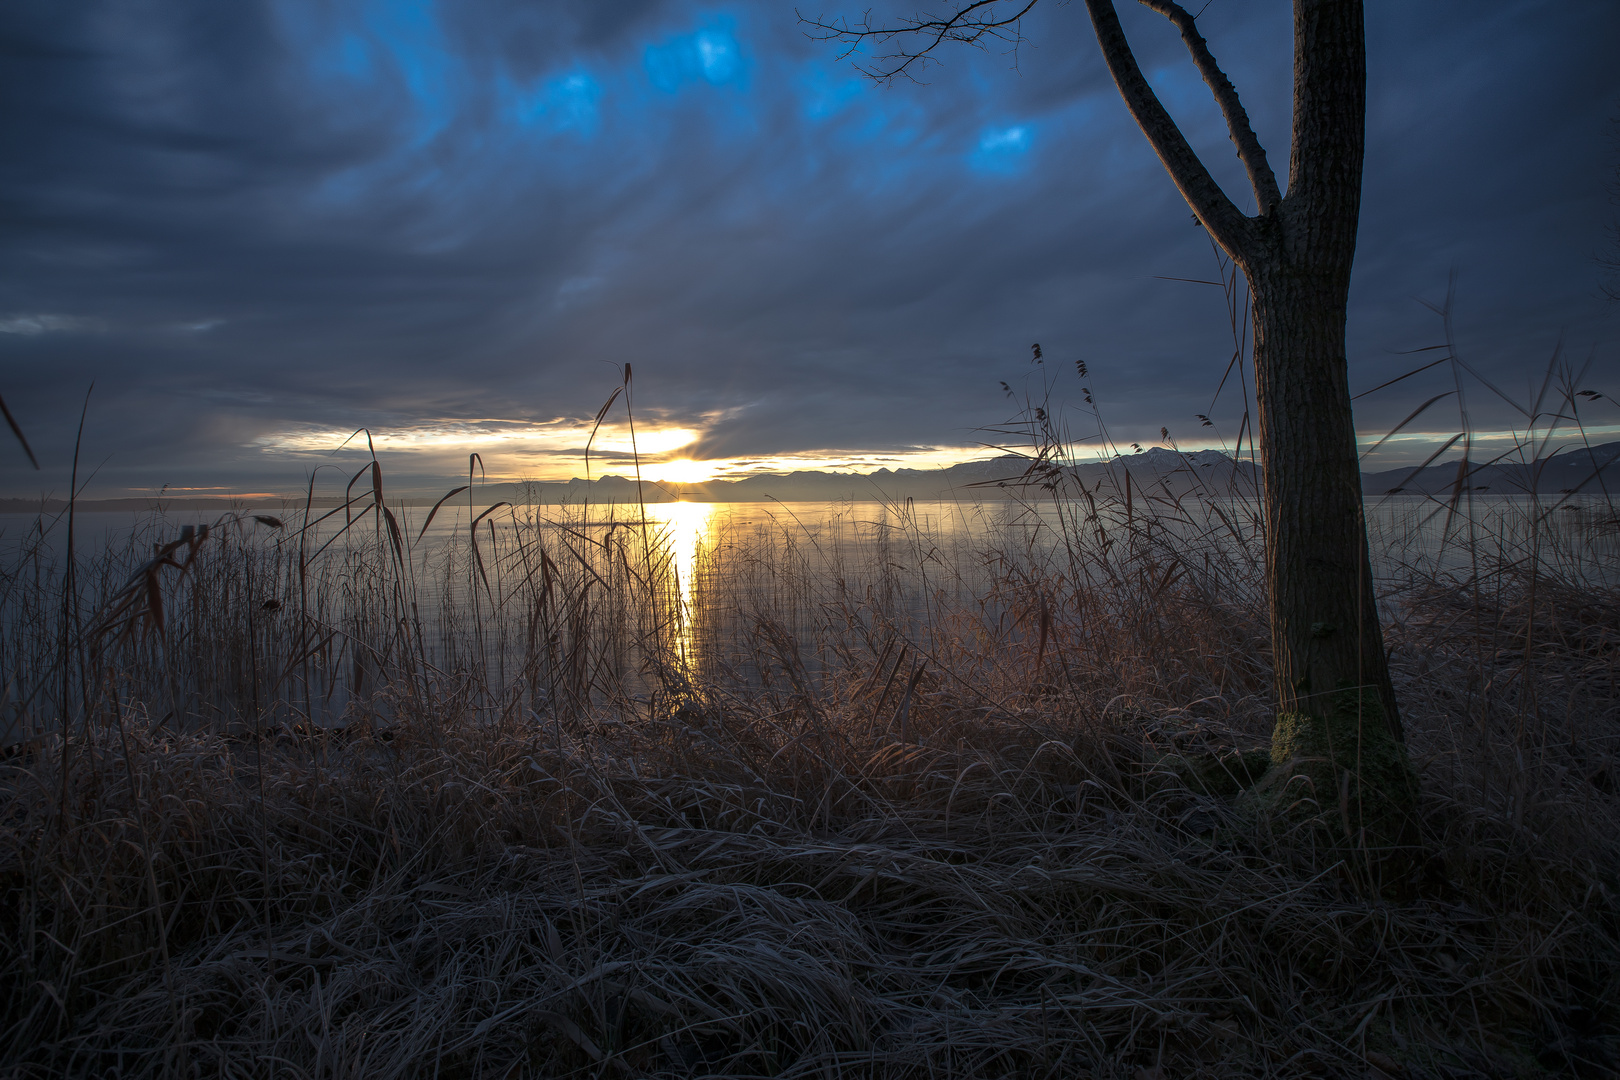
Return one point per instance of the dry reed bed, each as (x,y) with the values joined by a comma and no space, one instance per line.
(814,854)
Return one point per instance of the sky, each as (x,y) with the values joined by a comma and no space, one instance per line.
(233,235)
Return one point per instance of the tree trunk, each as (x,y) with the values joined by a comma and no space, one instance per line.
(1324,619)
(1337,723)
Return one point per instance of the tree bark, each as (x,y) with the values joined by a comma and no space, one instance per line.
(1324,618)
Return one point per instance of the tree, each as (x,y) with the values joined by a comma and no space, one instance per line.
(1331,676)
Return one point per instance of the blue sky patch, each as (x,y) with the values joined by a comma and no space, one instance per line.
(1003,148)
(569,102)
(711,54)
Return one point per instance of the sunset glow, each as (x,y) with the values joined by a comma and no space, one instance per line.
(681,471)
(513,450)
(491,436)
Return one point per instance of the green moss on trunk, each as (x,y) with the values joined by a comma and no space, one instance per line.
(1345,772)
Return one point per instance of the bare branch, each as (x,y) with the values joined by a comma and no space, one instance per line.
(1250,152)
(1225,222)
(970,25)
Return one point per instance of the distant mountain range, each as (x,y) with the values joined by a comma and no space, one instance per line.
(1586,471)
(1157,471)
(996,478)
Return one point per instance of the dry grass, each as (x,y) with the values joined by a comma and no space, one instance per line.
(903,809)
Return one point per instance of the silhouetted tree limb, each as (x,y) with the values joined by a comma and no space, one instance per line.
(1250,152)
(1231,229)
(969,25)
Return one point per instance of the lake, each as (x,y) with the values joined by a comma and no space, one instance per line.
(598,601)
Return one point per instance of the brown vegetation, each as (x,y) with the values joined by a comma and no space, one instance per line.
(895,800)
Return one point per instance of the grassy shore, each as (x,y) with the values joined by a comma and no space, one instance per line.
(540,807)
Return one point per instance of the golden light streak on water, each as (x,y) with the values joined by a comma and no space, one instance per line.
(686,527)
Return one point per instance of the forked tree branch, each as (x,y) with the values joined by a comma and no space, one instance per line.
(970,25)
(1250,152)
(1225,222)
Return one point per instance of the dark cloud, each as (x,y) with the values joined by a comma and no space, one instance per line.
(253,219)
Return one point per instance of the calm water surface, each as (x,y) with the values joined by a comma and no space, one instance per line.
(1405,533)
(722,567)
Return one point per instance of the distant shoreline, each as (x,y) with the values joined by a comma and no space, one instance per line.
(1153,473)
(286,508)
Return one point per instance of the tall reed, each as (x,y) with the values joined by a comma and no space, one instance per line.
(898,792)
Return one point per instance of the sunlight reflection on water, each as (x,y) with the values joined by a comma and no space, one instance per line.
(685,528)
